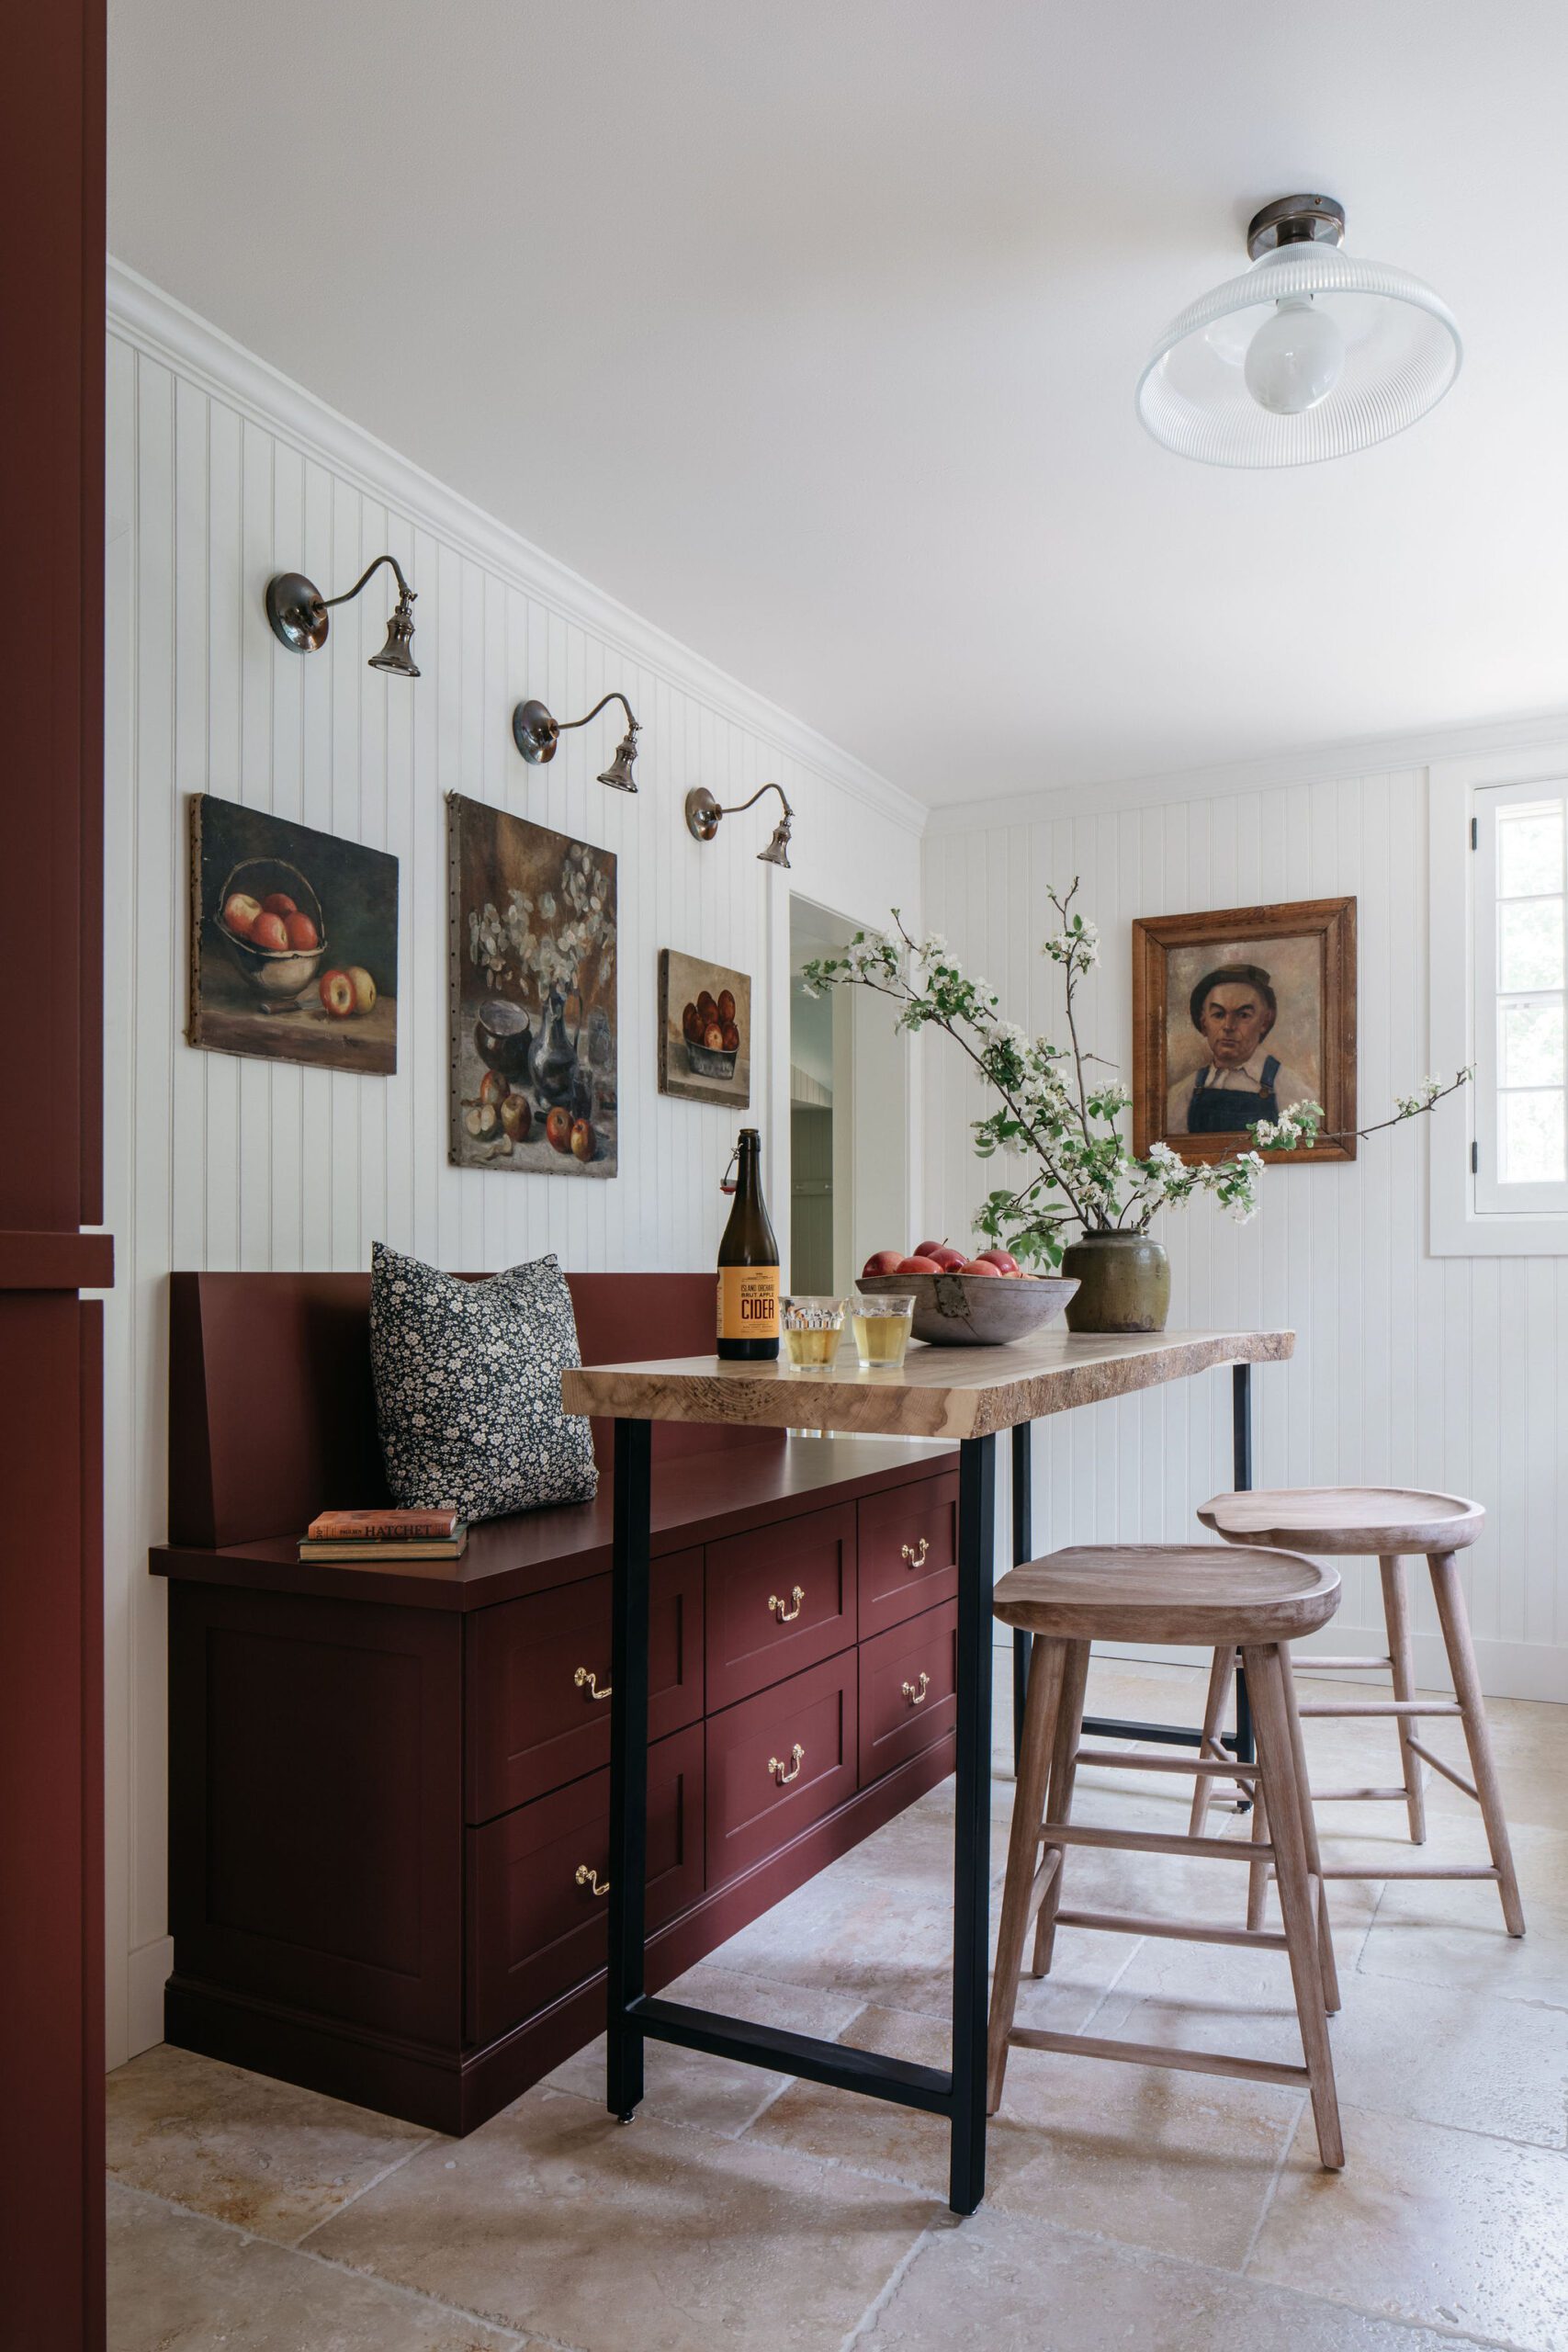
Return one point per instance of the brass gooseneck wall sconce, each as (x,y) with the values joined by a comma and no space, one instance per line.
(297,611)
(536,734)
(703,814)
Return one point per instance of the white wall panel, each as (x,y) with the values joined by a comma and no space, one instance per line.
(219,475)
(1449,1373)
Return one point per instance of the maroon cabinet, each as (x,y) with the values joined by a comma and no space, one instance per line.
(908,1685)
(778,1763)
(538,1676)
(779,1599)
(537,1879)
(908,1551)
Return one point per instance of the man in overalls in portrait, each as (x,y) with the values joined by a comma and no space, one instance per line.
(1234,1008)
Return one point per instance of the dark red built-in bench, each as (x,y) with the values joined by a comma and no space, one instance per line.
(383,1781)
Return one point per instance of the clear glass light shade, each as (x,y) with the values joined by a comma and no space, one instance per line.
(1310,353)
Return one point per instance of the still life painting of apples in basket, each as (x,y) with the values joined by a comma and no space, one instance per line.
(293,942)
(533,997)
(705,1031)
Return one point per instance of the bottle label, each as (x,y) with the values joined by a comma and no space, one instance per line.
(747,1302)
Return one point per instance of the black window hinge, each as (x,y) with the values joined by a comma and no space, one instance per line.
(1475,832)
(1475,1159)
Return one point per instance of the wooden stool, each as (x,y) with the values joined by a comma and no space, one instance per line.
(1387,1523)
(1247,1599)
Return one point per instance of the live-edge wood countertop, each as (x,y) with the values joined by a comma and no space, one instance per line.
(937,1393)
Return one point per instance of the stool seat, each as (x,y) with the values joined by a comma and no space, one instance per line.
(1372,1520)
(1169,1592)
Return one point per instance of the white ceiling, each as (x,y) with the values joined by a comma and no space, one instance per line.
(811,332)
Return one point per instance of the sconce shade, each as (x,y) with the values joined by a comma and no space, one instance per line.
(618,774)
(534,732)
(395,655)
(777,851)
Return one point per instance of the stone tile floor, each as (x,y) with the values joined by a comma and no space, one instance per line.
(1127,2207)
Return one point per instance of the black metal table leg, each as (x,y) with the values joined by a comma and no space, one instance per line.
(628,1764)
(1241,1474)
(1022,1549)
(972,1819)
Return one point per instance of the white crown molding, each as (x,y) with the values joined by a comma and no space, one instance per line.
(166,331)
(1319,763)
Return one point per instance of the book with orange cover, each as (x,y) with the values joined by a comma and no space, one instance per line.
(387,1525)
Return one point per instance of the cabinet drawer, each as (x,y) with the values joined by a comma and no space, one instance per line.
(908,1551)
(805,1727)
(778,1600)
(531,1726)
(908,1686)
(532,1931)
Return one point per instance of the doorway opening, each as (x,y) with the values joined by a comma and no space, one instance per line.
(848,1116)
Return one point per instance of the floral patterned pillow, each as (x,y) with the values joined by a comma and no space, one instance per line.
(468,1388)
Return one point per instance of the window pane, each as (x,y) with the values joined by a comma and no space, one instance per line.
(1530,851)
(1533,1044)
(1533,1138)
(1531,944)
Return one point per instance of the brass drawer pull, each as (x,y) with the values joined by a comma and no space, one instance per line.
(916,1559)
(590,1879)
(917,1698)
(784,1773)
(781,1610)
(587,1680)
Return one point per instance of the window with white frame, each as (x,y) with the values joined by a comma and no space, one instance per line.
(1520,931)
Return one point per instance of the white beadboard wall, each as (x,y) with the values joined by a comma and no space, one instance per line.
(219,473)
(1451,1373)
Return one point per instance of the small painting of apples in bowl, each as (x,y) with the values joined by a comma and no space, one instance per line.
(266,979)
(704,1031)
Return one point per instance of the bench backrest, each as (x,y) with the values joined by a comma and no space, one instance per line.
(272,1412)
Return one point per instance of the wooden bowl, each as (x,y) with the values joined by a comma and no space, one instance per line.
(976,1311)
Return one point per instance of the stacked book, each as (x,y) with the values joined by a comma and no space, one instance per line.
(384,1534)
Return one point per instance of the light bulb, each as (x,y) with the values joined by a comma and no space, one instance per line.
(1294,359)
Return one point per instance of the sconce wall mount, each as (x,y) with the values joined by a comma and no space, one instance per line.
(537,736)
(703,814)
(298,612)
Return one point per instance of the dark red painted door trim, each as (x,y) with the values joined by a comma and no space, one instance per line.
(52,459)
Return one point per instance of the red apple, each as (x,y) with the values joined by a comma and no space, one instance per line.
(302,932)
(267,931)
(882,1262)
(917,1265)
(279,904)
(336,991)
(1003,1260)
(557,1129)
(712,1038)
(583,1142)
(516,1117)
(979,1266)
(239,912)
(930,1249)
(364,989)
(951,1260)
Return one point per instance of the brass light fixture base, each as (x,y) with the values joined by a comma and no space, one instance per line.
(703,813)
(534,732)
(298,612)
(1297,221)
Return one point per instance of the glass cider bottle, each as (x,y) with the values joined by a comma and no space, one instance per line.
(748,1267)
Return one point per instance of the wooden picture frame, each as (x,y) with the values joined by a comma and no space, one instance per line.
(698,1062)
(1300,957)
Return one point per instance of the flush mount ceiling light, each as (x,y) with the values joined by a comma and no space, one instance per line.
(1310,353)
(537,734)
(704,815)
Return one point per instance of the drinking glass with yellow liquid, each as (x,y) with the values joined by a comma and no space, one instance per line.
(882,1328)
(812,1328)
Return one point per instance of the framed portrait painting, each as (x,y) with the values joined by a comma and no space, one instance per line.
(293,941)
(534,1034)
(705,1031)
(1238,1015)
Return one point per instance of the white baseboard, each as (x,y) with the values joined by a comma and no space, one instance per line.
(148,1967)
(1508,1669)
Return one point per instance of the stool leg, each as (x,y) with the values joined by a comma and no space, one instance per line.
(1454,1619)
(1326,1968)
(1258,1876)
(1396,1617)
(1209,1745)
(1041,1710)
(1060,1799)
(1286,1807)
